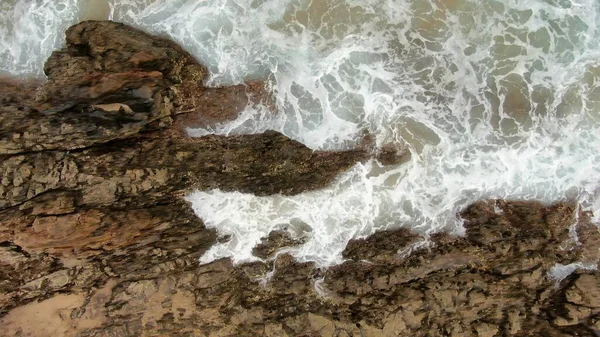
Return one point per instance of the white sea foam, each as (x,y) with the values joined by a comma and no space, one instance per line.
(30,31)
(494,99)
(560,272)
(486,113)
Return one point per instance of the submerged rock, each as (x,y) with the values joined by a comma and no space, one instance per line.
(96,240)
(275,241)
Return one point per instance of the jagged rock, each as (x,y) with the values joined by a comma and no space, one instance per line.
(94,168)
(276,240)
(96,240)
(391,154)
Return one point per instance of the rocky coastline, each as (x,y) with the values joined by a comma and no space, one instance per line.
(97,240)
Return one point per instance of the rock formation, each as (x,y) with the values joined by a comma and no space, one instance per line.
(96,240)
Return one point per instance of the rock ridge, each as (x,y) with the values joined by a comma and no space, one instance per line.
(97,240)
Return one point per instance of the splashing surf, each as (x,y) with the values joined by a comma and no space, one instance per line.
(494,99)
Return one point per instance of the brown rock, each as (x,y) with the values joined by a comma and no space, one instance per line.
(276,240)
(95,239)
(93,174)
(391,154)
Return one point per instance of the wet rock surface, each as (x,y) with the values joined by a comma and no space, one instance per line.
(276,240)
(96,239)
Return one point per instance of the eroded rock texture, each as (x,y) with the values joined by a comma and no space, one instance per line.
(96,240)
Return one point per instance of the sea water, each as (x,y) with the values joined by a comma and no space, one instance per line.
(493,99)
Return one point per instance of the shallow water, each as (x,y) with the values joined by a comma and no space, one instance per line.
(494,99)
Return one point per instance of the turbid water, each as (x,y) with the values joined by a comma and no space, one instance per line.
(493,99)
